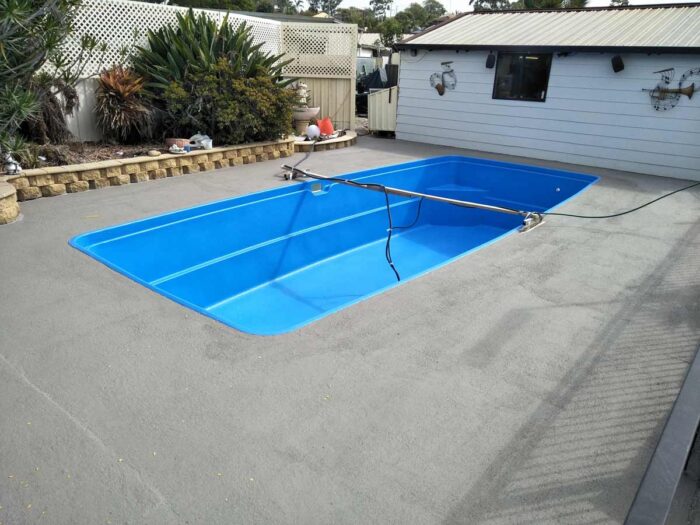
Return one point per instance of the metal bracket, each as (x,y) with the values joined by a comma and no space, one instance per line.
(531,220)
(289,172)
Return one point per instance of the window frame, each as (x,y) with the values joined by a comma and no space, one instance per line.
(521,53)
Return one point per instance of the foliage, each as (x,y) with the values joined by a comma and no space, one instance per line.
(19,148)
(195,45)
(121,112)
(324,6)
(28,155)
(619,3)
(417,16)
(364,18)
(232,108)
(501,5)
(57,98)
(228,5)
(390,32)
(380,8)
(31,35)
(288,7)
(17,104)
(214,79)
(265,6)
(434,9)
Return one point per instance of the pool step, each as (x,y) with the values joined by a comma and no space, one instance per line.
(214,280)
(333,283)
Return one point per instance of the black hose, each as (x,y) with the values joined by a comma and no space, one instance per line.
(387,248)
(622,212)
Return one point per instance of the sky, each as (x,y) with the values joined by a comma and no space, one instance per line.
(463,5)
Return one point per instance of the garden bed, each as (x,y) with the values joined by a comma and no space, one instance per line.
(83,152)
(57,180)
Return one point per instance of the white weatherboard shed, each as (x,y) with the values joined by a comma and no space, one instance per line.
(542,84)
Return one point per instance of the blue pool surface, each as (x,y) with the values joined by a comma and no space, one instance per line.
(270,262)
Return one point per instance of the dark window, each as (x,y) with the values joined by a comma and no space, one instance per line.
(522,77)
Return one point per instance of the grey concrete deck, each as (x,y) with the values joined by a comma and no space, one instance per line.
(525,383)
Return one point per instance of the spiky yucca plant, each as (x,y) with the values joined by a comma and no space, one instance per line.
(194,45)
(121,112)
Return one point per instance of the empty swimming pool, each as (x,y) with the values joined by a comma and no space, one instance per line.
(270,262)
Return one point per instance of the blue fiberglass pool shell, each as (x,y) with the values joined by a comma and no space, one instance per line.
(270,262)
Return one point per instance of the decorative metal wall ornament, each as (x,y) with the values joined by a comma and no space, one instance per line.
(663,96)
(445,80)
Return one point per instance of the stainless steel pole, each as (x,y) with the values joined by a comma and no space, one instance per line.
(408,193)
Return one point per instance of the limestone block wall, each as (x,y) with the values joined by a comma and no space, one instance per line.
(52,181)
(9,209)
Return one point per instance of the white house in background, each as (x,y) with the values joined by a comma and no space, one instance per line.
(605,87)
(370,45)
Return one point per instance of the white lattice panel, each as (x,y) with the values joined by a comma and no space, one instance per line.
(122,24)
(320,50)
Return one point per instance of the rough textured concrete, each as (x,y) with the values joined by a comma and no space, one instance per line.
(525,383)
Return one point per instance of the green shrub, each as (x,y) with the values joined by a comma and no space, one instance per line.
(213,79)
(231,108)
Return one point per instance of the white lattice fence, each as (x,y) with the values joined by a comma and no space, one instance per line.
(320,50)
(122,24)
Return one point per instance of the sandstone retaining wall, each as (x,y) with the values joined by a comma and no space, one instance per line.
(9,208)
(57,180)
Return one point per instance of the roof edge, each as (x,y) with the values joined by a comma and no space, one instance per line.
(652,50)
(535,11)
(592,8)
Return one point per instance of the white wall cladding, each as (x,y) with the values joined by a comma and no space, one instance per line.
(591,117)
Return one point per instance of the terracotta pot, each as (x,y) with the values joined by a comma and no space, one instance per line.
(181,143)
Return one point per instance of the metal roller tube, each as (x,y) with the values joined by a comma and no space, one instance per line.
(408,193)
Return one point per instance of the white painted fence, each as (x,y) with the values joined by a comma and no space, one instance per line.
(322,54)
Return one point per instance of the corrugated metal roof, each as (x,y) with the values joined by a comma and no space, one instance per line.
(669,27)
(372,39)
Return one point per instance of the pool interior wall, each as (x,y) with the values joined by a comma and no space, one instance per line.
(270,262)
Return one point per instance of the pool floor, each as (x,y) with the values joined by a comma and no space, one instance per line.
(328,285)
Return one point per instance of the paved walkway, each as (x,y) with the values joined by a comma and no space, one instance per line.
(525,383)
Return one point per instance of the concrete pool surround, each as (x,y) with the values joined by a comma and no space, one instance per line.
(527,382)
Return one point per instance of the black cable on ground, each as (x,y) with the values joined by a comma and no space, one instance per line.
(622,212)
(308,153)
